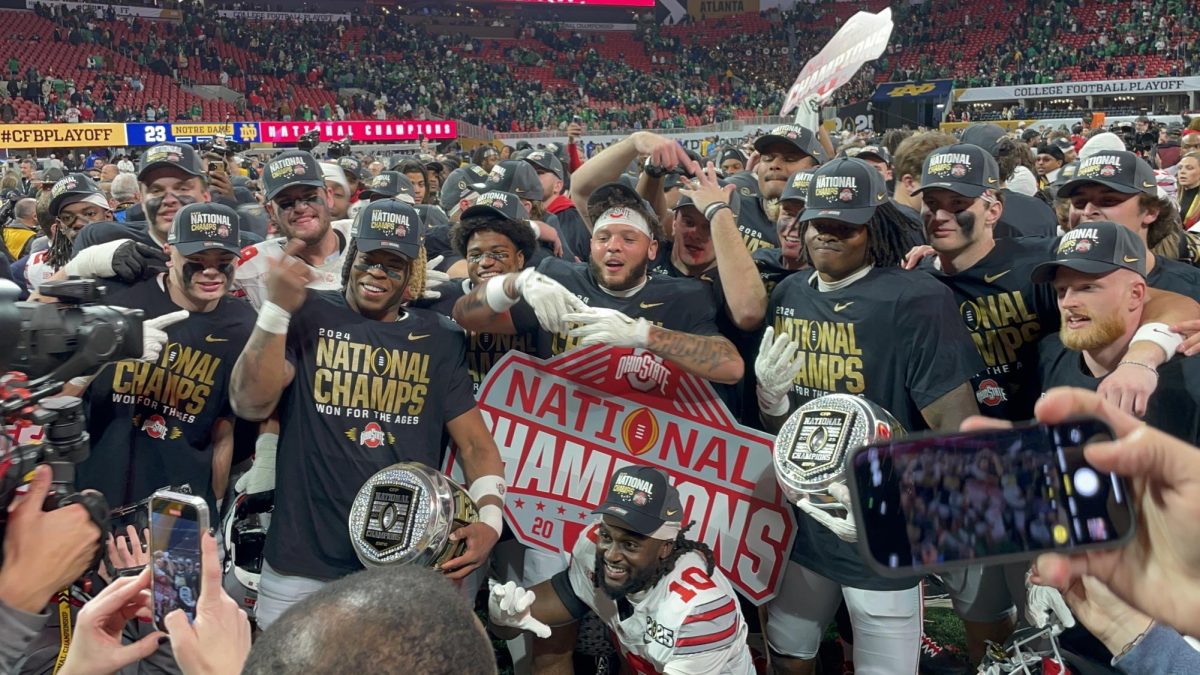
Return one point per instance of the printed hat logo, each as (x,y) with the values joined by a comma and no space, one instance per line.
(800,181)
(372,435)
(155,426)
(497,174)
(629,488)
(67,184)
(164,153)
(537,154)
(1079,240)
(846,195)
(1103,165)
(953,164)
(299,170)
(390,224)
(745,191)
(379,181)
(478,171)
(990,393)
(498,200)
(841,188)
(209,224)
(287,167)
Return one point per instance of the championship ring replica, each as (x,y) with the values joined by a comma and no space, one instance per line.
(404,515)
(815,441)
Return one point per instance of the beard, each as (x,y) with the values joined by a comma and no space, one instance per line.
(635,274)
(1104,330)
(639,580)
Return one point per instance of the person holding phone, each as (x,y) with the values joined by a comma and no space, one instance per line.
(857,325)
(309,355)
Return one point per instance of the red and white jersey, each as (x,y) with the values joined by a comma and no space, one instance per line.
(250,281)
(38,271)
(688,623)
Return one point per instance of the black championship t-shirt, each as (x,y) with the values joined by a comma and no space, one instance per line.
(893,337)
(1174,276)
(367,394)
(1007,314)
(1174,407)
(770,267)
(151,423)
(483,349)
(1025,216)
(684,305)
(757,230)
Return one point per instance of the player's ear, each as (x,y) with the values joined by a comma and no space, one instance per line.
(666,549)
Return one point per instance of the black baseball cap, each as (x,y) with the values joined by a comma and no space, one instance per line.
(174,155)
(388,185)
(390,225)
(966,169)
(643,499)
(293,167)
(351,166)
(797,187)
(1066,174)
(1064,144)
(798,137)
(1120,170)
(460,184)
(543,160)
(986,136)
(515,176)
(846,189)
(498,204)
(75,187)
(1095,248)
(731,153)
(735,203)
(1051,149)
(205,226)
(877,151)
(747,184)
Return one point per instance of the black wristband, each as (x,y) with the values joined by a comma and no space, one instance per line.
(714,208)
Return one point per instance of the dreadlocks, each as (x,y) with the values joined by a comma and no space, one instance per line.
(680,546)
(890,235)
(59,252)
(416,273)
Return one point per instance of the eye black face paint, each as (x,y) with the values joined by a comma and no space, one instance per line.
(153,204)
(966,221)
(191,269)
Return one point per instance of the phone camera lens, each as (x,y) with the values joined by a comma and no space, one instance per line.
(1087,483)
(1076,436)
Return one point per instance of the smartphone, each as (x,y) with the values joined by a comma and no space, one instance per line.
(932,502)
(176,524)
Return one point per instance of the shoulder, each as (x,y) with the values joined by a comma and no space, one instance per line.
(707,616)
(255,257)
(909,284)
(427,318)
(1050,350)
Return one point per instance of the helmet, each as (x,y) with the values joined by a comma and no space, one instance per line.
(1031,651)
(245,532)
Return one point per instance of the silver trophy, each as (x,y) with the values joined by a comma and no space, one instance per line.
(815,441)
(404,515)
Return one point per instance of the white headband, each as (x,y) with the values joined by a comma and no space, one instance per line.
(621,215)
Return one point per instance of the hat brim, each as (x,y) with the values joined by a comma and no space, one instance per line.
(1070,186)
(486,210)
(409,251)
(1044,273)
(964,189)
(307,182)
(634,521)
(858,215)
(623,192)
(763,142)
(193,247)
(154,166)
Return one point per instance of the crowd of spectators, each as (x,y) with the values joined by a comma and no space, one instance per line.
(389,66)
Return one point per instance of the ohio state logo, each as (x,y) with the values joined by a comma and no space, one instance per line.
(401,231)
(1108,170)
(223,231)
(298,169)
(643,371)
(958,170)
(990,393)
(640,498)
(372,435)
(846,194)
(155,426)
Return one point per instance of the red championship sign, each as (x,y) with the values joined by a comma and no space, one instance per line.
(565,425)
(392,130)
(863,38)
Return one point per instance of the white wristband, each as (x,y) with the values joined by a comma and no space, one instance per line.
(497,299)
(493,517)
(1161,335)
(489,485)
(537,229)
(273,318)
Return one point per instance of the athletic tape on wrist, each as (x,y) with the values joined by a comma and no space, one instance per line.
(497,299)
(273,318)
(1161,335)
(493,517)
(489,485)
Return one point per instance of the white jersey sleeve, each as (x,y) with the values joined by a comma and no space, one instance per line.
(38,271)
(250,280)
(689,622)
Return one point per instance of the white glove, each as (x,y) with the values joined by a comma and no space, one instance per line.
(843,527)
(550,300)
(508,605)
(434,278)
(775,368)
(808,113)
(1043,601)
(154,334)
(261,476)
(599,325)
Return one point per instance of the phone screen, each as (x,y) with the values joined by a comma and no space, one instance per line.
(175,528)
(927,503)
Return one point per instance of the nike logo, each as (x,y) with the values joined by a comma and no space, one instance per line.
(992,181)
(209,338)
(1149,185)
(650,305)
(991,278)
(1129,260)
(671,513)
(837,307)
(414,338)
